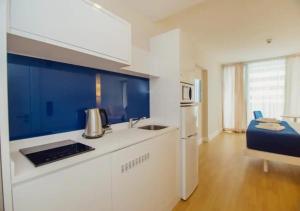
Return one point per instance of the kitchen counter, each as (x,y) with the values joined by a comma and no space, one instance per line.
(120,138)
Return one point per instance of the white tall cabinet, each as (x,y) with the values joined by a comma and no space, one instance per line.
(173,60)
(165,62)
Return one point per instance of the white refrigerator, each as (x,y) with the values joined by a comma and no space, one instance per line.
(189,149)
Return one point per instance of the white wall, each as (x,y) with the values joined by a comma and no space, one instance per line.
(214,72)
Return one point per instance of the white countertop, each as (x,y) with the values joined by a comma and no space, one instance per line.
(23,169)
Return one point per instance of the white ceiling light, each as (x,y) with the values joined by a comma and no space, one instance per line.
(97,6)
(93,4)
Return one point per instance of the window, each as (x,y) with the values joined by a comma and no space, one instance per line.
(265,87)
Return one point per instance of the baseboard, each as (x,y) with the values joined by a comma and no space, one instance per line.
(173,204)
(205,139)
(214,134)
(200,141)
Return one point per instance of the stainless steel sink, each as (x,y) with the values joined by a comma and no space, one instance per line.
(153,127)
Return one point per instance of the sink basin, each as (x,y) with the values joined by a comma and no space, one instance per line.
(153,127)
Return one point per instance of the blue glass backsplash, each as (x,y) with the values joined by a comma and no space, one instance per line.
(47,97)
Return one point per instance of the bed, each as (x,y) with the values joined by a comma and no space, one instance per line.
(282,146)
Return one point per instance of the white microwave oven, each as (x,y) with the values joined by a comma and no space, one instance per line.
(187,93)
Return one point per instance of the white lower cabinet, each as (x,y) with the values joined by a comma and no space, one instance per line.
(144,176)
(84,187)
(141,177)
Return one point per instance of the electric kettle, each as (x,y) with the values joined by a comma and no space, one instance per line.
(96,121)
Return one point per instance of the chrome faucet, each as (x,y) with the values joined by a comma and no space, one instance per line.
(134,121)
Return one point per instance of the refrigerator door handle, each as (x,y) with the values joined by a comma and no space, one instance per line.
(195,134)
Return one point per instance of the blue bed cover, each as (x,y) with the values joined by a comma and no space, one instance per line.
(285,142)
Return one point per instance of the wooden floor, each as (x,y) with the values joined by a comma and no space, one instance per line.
(229,181)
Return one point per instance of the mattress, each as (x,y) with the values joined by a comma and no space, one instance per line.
(285,142)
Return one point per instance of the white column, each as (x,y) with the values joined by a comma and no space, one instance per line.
(4,129)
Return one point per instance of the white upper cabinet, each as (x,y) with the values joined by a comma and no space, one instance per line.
(79,25)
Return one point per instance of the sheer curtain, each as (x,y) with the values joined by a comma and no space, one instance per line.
(266,87)
(234,104)
(292,92)
(228,97)
(240,99)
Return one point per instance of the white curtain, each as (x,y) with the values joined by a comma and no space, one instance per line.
(292,92)
(240,99)
(228,97)
(234,104)
(266,87)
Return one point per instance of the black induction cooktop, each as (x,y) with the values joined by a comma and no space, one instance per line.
(44,154)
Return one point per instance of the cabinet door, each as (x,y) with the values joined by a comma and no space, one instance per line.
(144,176)
(74,22)
(86,186)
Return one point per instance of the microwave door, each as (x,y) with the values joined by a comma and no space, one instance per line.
(186,92)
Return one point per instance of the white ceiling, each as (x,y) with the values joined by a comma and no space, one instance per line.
(236,30)
(226,30)
(231,30)
(159,9)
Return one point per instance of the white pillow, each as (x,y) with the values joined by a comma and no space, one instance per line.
(268,120)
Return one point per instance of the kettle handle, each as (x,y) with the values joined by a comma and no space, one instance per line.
(105,121)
